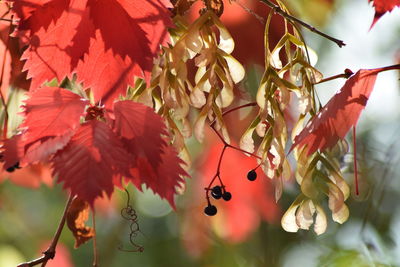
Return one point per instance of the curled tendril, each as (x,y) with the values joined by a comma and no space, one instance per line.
(129,214)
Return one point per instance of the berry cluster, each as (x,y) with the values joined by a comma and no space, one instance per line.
(218,192)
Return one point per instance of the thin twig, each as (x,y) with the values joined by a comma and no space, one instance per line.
(391,67)
(251,12)
(281,12)
(345,75)
(244,151)
(226,145)
(51,251)
(217,173)
(8,20)
(251,104)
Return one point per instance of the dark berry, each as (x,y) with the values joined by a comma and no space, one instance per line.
(216,192)
(216,196)
(227,196)
(210,210)
(16,166)
(12,168)
(252,175)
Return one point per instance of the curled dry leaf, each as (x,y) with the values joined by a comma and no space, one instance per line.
(77,215)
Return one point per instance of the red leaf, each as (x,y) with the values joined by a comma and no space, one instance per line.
(89,162)
(383,6)
(341,113)
(157,164)
(165,179)
(52,111)
(106,42)
(141,129)
(52,52)
(34,14)
(12,151)
(120,53)
(42,149)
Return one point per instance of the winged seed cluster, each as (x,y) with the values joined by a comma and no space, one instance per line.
(207,45)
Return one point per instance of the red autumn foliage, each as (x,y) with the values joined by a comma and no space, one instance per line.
(51,112)
(11,54)
(383,6)
(90,158)
(340,114)
(68,36)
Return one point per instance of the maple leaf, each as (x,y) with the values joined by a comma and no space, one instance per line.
(51,111)
(90,160)
(35,14)
(42,149)
(71,36)
(157,164)
(342,111)
(163,180)
(383,6)
(51,52)
(140,137)
(168,175)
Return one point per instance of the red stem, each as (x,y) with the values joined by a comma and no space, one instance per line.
(251,104)
(391,67)
(355,160)
(226,145)
(217,173)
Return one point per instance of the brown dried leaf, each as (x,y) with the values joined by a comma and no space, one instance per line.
(77,215)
